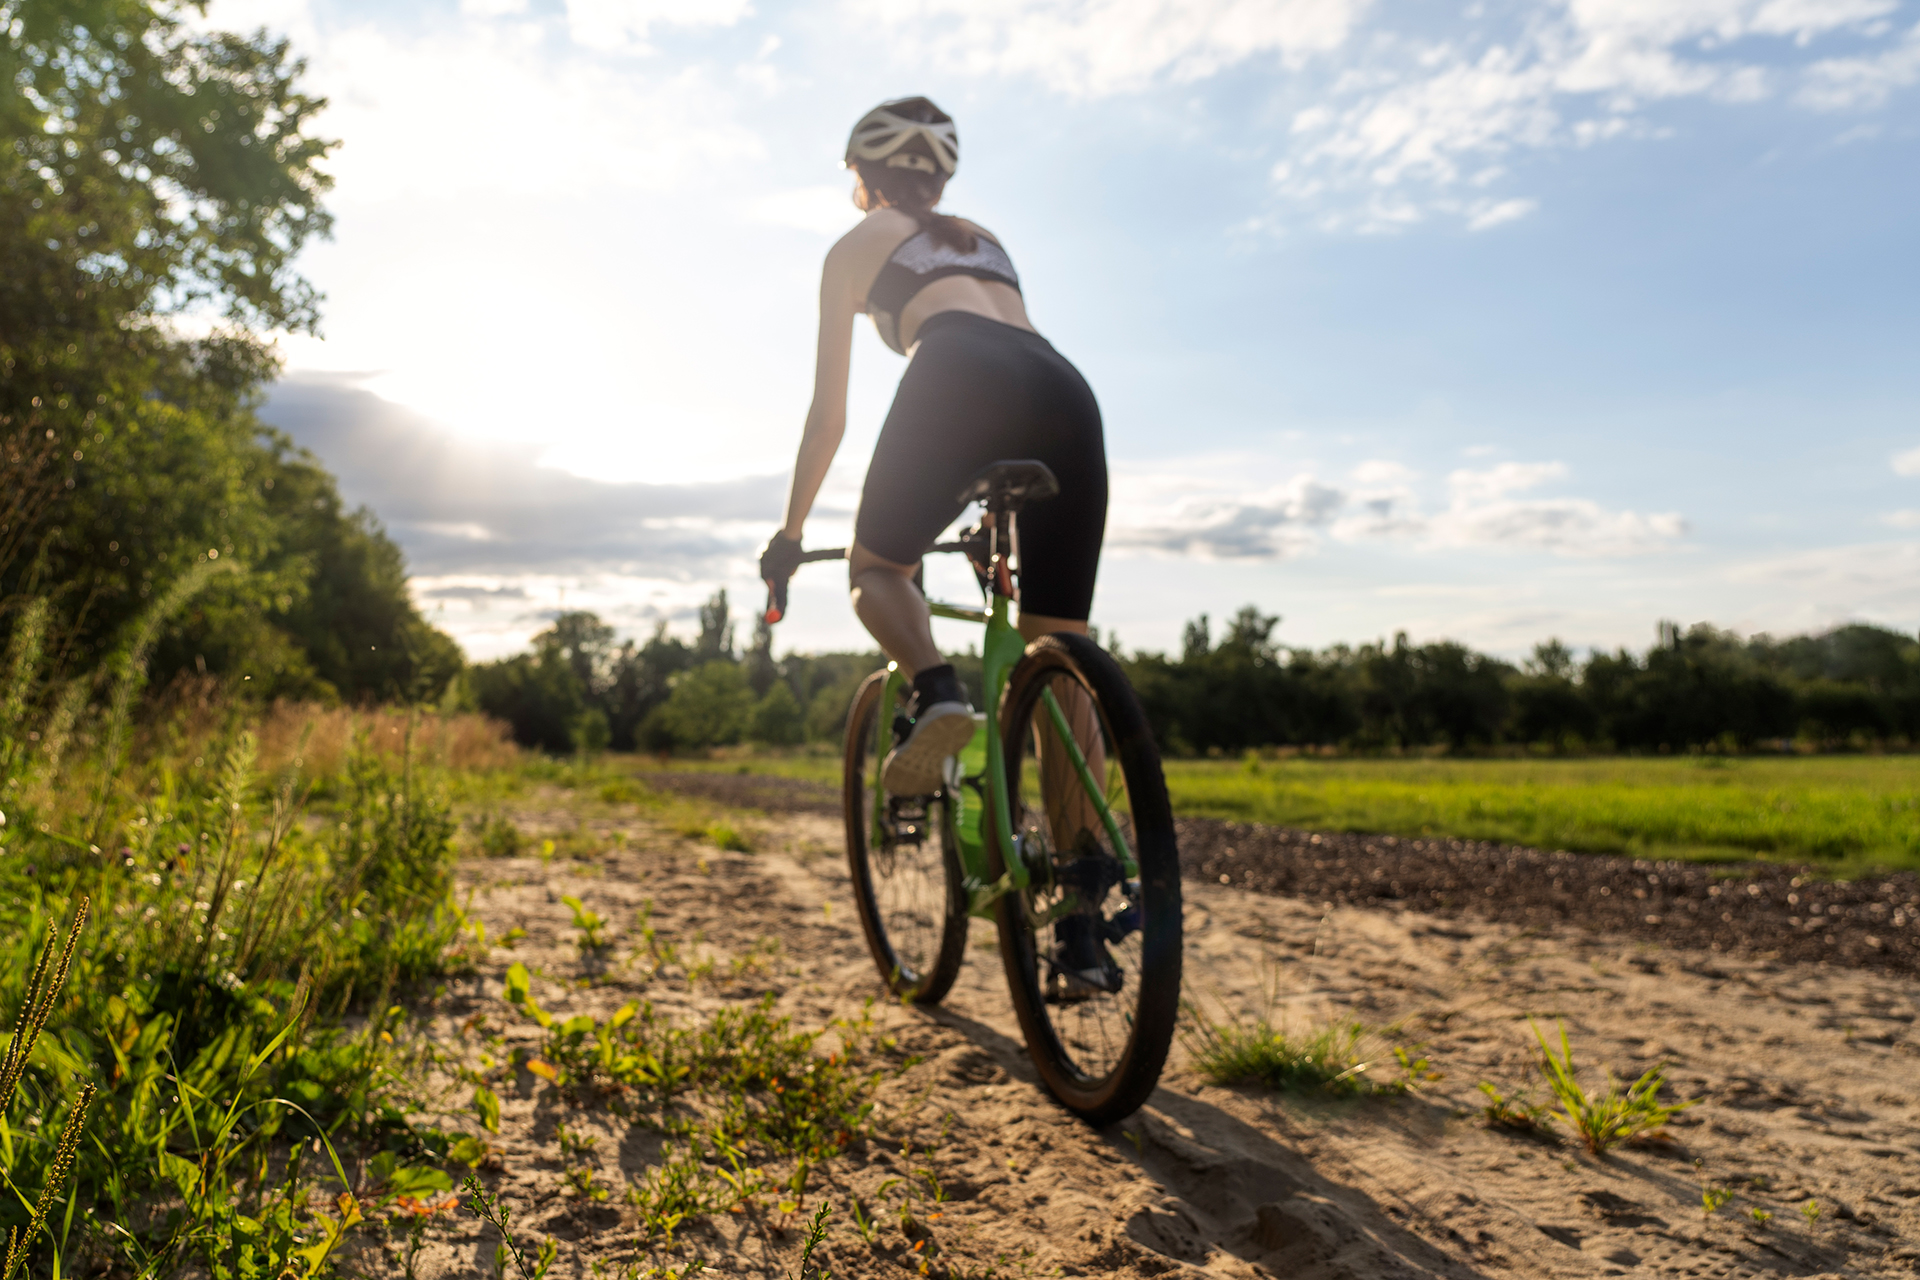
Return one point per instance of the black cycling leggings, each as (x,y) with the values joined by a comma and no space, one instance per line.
(977,392)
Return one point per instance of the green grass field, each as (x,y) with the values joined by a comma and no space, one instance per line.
(1862,810)
(1848,810)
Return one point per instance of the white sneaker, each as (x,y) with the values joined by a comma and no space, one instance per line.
(916,766)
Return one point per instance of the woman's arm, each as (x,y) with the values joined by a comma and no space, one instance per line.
(827,416)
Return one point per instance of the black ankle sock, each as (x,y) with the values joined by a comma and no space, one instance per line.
(931,676)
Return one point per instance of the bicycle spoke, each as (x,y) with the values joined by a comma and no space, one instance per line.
(898,849)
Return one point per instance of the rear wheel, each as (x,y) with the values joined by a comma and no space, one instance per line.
(1092,957)
(905,861)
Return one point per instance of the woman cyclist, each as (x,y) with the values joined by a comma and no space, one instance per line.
(981,386)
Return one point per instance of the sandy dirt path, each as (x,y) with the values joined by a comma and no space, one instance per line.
(1808,1075)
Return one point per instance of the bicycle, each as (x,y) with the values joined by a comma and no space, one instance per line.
(1054,820)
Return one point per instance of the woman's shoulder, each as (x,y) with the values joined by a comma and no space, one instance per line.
(886,227)
(979,230)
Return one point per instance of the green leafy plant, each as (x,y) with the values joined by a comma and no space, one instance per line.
(497,836)
(1416,1069)
(1520,1114)
(1713,1199)
(591,924)
(816,1232)
(1326,1060)
(1604,1120)
(1811,1212)
(499,1215)
(725,835)
(1761,1217)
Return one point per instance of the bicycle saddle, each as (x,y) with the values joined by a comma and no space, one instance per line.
(1005,486)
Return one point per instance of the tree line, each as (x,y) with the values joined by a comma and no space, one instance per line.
(580,689)
(1695,688)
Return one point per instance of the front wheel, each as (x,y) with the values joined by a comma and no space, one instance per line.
(1092,954)
(905,859)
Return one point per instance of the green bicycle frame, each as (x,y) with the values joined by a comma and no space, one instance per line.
(983,790)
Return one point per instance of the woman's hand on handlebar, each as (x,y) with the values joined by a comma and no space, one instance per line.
(777,564)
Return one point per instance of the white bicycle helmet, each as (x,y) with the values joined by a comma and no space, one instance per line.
(884,131)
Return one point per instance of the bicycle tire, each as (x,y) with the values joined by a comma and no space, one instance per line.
(910,896)
(1100,1084)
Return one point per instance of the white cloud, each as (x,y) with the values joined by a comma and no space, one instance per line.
(1174,514)
(1411,123)
(416,128)
(1168,517)
(1376,471)
(1838,84)
(1908,463)
(824,210)
(1482,511)
(1095,47)
(1475,488)
(621,26)
(1906,519)
(1504,211)
(1860,573)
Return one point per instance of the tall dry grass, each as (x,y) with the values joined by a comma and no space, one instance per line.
(195,715)
(323,736)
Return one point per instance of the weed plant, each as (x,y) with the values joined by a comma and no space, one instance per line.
(734,1093)
(1326,1060)
(1605,1120)
(1331,1059)
(1519,1114)
(243,912)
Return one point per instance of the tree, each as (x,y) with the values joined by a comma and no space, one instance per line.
(152,169)
(1549,705)
(149,171)
(710,706)
(762,670)
(716,629)
(536,693)
(778,718)
(1193,641)
(585,644)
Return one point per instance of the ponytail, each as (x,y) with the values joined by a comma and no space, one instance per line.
(914,194)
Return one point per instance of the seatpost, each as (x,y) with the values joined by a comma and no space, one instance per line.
(1002,551)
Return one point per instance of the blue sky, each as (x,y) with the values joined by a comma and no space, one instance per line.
(1485,321)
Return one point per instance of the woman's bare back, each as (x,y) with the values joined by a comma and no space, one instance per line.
(855,261)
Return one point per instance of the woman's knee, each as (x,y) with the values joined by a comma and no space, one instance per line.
(1035,625)
(864,564)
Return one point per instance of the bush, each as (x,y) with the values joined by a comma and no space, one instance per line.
(538,694)
(710,706)
(778,719)
(230,934)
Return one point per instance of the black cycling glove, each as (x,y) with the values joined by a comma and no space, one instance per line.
(780,559)
(777,564)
